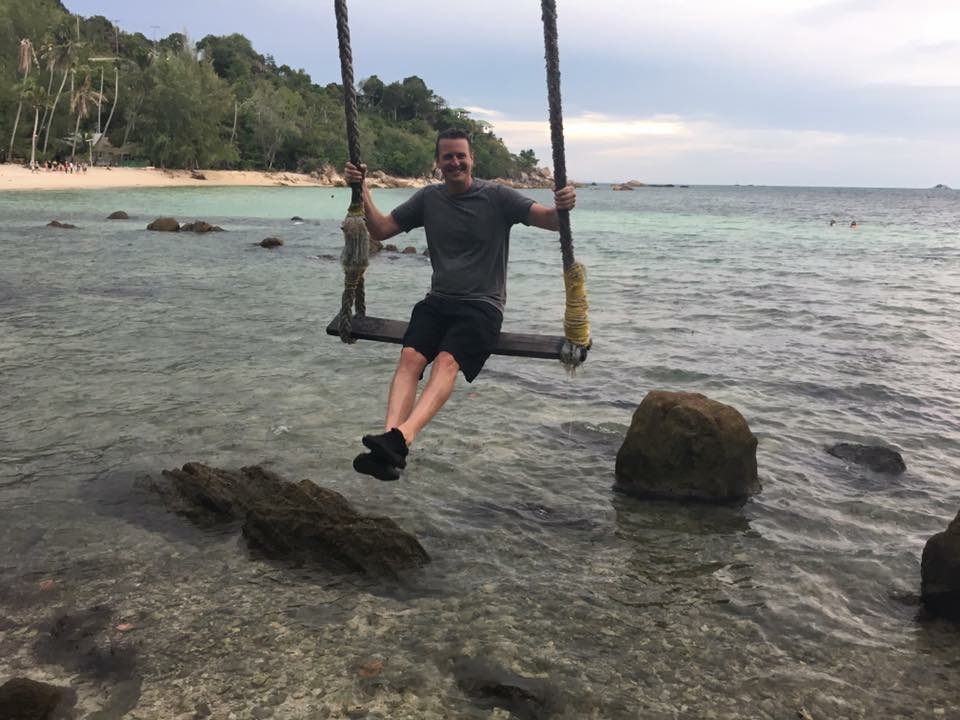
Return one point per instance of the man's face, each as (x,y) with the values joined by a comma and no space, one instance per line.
(455,160)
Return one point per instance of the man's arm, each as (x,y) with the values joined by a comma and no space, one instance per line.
(380,226)
(543,217)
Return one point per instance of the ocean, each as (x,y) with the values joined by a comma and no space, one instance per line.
(124,352)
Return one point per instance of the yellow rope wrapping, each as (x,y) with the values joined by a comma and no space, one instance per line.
(576,325)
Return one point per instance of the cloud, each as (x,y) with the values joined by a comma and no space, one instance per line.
(835,90)
(675,149)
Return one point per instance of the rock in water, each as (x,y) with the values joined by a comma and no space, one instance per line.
(118,215)
(61,225)
(940,572)
(490,686)
(685,446)
(25,699)
(271,242)
(301,522)
(200,226)
(876,457)
(164,224)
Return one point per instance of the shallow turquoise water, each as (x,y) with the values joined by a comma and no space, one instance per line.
(124,352)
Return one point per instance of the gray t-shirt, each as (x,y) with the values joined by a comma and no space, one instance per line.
(468,236)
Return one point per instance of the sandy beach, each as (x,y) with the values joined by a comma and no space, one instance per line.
(17,177)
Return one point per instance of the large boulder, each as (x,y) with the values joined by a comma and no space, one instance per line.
(164,224)
(329,175)
(299,522)
(685,446)
(940,572)
(25,699)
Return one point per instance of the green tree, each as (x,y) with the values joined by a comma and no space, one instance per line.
(527,160)
(232,56)
(58,57)
(371,92)
(274,114)
(417,101)
(186,114)
(34,96)
(82,98)
(26,58)
(174,44)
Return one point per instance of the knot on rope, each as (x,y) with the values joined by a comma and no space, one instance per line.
(355,257)
(576,325)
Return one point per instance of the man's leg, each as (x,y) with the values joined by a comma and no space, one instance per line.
(443,378)
(388,452)
(403,388)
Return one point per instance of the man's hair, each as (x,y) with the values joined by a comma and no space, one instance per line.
(452,134)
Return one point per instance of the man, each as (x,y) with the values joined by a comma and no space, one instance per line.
(467,223)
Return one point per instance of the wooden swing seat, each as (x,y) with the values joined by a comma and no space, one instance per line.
(547,347)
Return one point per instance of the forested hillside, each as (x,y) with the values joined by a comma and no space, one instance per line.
(93,91)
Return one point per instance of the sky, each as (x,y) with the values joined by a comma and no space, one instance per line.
(862,93)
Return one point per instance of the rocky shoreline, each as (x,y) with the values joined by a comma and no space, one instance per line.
(328,175)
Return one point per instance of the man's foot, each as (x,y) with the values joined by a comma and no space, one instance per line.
(390,447)
(369,464)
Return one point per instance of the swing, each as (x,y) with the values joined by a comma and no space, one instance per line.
(571,348)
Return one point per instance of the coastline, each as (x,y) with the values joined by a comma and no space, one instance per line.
(20,178)
(17,177)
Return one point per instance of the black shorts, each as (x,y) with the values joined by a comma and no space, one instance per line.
(467,329)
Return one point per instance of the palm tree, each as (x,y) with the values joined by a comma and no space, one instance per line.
(116,95)
(80,101)
(58,55)
(25,58)
(35,96)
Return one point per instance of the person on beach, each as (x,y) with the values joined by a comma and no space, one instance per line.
(455,327)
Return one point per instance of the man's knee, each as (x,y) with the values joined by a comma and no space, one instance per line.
(412,361)
(446,363)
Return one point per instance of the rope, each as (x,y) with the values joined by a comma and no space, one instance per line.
(356,239)
(576,326)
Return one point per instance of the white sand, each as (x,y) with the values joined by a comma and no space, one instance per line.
(17,177)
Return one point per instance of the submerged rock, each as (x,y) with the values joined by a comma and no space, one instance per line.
(876,457)
(490,686)
(301,521)
(118,215)
(409,250)
(940,572)
(62,225)
(164,224)
(296,218)
(271,242)
(200,226)
(685,446)
(25,699)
